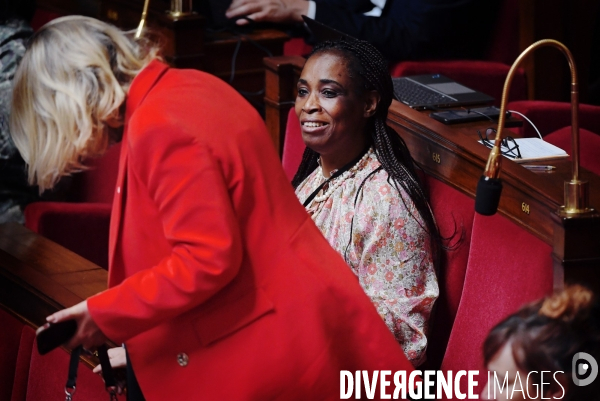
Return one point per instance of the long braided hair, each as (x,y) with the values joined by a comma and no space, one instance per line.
(366,64)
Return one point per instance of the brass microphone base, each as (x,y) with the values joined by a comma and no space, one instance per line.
(178,14)
(576,198)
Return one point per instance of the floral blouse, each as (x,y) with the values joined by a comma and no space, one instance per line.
(389,250)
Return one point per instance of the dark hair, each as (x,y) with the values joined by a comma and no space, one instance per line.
(545,336)
(19,9)
(367,65)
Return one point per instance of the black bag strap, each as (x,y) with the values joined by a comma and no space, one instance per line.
(110,383)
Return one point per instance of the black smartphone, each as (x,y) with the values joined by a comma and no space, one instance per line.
(468,115)
(52,335)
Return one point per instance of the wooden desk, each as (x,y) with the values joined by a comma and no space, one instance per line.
(39,277)
(453,155)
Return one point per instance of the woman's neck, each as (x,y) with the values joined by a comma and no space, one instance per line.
(332,162)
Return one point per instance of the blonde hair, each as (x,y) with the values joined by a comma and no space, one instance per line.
(72,80)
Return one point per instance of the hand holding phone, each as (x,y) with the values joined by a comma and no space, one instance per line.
(52,335)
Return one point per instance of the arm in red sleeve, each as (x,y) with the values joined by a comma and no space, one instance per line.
(185,182)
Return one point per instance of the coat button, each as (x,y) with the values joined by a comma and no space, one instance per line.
(118,190)
(182,359)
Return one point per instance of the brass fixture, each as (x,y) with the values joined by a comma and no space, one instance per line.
(140,28)
(576,191)
(181,7)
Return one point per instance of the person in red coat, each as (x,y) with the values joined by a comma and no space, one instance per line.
(220,285)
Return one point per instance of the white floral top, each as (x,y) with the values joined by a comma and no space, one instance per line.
(390,248)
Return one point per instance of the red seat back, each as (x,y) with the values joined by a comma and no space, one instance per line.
(550,116)
(21,382)
(508,267)
(42,17)
(454,213)
(504,45)
(97,183)
(589,147)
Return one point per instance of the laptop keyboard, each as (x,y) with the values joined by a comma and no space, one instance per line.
(413,94)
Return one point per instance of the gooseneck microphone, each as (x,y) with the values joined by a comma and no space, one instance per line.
(487,197)
(489,186)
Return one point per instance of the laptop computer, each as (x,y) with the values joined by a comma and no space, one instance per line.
(429,91)
(432,91)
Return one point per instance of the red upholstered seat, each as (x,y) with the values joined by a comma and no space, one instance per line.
(27,376)
(507,267)
(454,212)
(589,146)
(10,338)
(550,116)
(42,17)
(21,381)
(81,224)
(48,375)
(296,47)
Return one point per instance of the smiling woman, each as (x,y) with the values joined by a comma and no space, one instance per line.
(357,180)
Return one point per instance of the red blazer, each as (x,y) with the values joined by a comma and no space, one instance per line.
(220,284)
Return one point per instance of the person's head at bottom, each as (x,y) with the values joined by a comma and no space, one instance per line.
(543,348)
(68,94)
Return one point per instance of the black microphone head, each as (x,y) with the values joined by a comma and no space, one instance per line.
(488,195)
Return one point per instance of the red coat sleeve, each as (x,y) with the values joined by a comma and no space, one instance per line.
(187,186)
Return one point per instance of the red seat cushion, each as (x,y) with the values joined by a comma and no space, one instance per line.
(48,375)
(589,147)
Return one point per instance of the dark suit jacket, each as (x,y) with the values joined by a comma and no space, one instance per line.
(417,29)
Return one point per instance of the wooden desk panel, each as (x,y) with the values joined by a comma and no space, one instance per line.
(39,277)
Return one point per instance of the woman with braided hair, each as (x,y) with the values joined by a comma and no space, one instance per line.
(358,182)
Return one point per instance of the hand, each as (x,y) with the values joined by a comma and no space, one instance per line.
(88,333)
(118,360)
(281,11)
